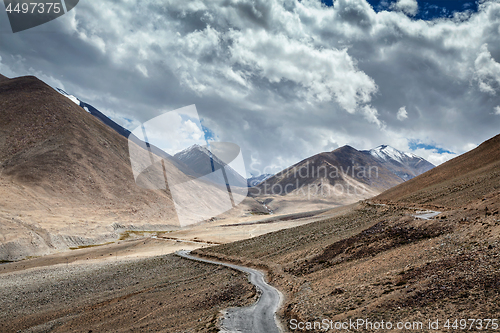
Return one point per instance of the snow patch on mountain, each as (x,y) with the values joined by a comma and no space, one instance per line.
(385,152)
(71,97)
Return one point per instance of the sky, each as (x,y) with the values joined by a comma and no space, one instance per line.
(283,79)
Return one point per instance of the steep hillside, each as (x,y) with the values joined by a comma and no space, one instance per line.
(65,177)
(384,262)
(455,183)
(126,133)
(3,78)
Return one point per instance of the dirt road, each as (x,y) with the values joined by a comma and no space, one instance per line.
(427,215)
(258,318)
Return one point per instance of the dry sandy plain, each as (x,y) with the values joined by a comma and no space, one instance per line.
(137,283)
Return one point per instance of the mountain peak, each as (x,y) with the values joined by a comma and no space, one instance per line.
(192,149)
(345,148)
(385,152)
(202,161)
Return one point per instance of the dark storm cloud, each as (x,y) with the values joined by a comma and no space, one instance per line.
(284,79)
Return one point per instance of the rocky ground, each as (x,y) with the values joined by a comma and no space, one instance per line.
(159,294)
(382,263)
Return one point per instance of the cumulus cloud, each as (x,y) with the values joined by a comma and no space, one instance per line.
(409,7)
(285,79)
(371,114)
(324,74)
(487,71)
(434,156)
(402,114)
(497,110)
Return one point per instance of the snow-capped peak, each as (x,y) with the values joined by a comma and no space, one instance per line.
(412,155)
(193,150)
(71,97)
(386,152)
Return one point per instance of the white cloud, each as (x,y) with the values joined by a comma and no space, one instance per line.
(497,110)
(402,114)
(194,130)
(141,68)
(371,114)
(409,7)
(487,71)
(433,156)
(224,61)
(326,74)
(298,77)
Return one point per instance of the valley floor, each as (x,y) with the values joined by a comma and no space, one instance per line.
(159,294)
(379,262)
(135,284)
(365,261)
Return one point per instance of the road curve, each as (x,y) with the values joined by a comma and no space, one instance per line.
(427,215)
(258,318)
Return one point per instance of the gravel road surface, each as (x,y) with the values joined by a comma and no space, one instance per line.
(258,318)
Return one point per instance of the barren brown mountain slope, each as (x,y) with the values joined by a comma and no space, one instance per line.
(455,183)
(380,262)
(342,176)
(3,78)
(65,177)
(345,167)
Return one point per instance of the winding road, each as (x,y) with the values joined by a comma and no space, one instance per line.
(257,318)
(426,215)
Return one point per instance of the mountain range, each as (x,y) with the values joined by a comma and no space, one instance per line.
(345,171)
(66,178)
(389,257)
(65,181)
(196,161)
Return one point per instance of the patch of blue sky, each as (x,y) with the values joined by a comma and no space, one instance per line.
(209,134)
(428,9)
(415,144)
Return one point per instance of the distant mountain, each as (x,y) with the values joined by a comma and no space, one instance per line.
(457,182)
(345,174)
(256,180)
(202,161)
(404,165)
